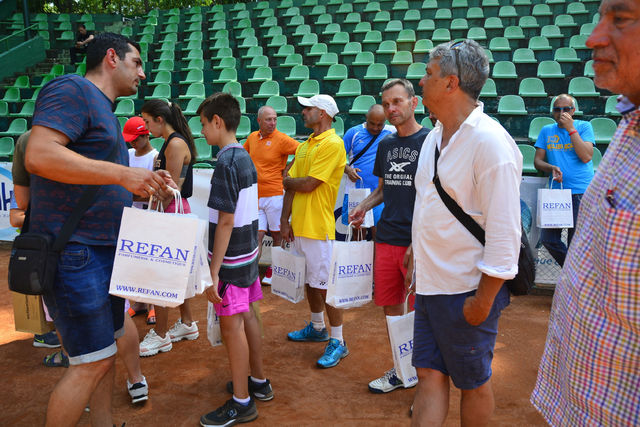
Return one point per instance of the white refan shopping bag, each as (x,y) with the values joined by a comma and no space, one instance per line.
(555,208)
(352,198)
(200,275)
(288,274)
(401,338)
(154,256)
(350,274)
(213,326)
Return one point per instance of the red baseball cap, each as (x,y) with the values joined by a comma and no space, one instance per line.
(133,128)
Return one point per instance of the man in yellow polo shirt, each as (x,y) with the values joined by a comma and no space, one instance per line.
(311,188)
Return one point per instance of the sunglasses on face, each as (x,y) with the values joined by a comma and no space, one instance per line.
(562,109)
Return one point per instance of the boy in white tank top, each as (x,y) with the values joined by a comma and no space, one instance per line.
(142,155)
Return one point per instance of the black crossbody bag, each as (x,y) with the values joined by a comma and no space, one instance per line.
(525,279)
(34,256)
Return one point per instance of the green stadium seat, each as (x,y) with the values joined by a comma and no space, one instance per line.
(553,34)
(125,108)
(317,10)
(578,42)
(385,51)
(162,91)
(551,73)
(4,109)
(411,16)
(360,31)
(603,129)
(515,35)
(343,10)
(542,13)
(261,74)
(371,8)
(475,16)
(192,106)
(511,105)
(194,64)
(500,48)
(459,8)
(532,91)
(458,27)
(416,71)
(317,50)
(478,34)
(425,28)
(226,75)
(392,29)
(335,74)
(525,61)
(272,29)
(291,60)
(267,89)
(380,20)
(337,43)
(203,149)
(278,103)
(349,89)
(588,69)
(308,88)
(400,64)
(329,31)
(194,90)
(361,63)
(567,24)
(505,75)
(426,122)
(193,76)
(286,125)
(529,25)
(6,148)
(166,55)
(406,40)
(508,15)
(568,59)
(442,18)
(374,78)
(596,158)
(372,41)
(350,21)
(541,48)
(284,51)
(610,106)
(587,29)
(244,128)
(298,73)
(361,104)
(428,8)
(493,27)
(399,8)
(528,156)
(16,128)
(490,7)
(195,126)
(22,82)
(228,62)
(582,87)
(441,35)
(12,94)
(350,51)
(536,125)
(26,111)
(421,50)
(523,7)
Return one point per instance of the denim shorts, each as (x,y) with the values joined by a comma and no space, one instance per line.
(444,341)
(86,316)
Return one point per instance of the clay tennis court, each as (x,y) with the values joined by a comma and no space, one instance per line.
(190,380)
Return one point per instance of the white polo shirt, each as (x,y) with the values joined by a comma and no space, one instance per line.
(481,169)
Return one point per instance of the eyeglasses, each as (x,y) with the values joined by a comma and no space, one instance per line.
(456,46)
(562,109)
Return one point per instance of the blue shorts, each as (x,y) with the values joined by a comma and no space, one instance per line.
(444,341)
(86,316)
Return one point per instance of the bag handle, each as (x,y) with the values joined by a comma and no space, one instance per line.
(177,198)
(551,184)
(349,234)
(87,198)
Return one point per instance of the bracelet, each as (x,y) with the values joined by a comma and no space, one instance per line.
(572,132)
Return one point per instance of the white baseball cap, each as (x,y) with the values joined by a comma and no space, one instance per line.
(323,102)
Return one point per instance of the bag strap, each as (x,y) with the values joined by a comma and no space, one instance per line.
(88,196)
(364,150)
(455,209)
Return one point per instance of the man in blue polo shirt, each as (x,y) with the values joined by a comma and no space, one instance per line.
(564,150)
(74,131)
(356,144)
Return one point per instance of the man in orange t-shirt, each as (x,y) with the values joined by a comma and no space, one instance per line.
(269,149)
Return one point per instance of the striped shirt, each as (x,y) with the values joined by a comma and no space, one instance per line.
(590,371)
(234,189)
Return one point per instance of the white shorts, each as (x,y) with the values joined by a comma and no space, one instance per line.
(269,210)
(317,254)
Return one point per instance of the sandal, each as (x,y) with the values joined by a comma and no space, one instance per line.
(56,360)
(151,317)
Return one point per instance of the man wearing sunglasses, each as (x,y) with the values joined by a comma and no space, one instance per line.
(564,150)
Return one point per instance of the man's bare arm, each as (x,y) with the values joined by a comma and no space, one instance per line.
(303,185)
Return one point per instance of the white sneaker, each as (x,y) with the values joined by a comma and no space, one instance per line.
(180,331)
(386,383)
(152,344)
(139,392)
(266,280)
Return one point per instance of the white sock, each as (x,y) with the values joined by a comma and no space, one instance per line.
(243,402)
(317,320)
(336,332)
(255,380)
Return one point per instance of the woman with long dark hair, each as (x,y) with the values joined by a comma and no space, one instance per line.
(177,156)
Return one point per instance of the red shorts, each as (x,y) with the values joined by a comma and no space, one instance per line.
(235,299)
(388,275)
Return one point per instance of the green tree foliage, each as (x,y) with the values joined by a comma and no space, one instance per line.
(121,7)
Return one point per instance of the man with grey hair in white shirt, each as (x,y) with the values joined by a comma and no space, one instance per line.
(460,289)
